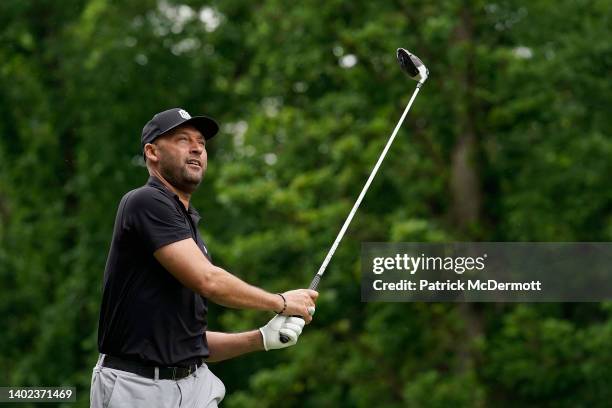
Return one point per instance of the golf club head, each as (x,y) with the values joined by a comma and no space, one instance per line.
(412,65)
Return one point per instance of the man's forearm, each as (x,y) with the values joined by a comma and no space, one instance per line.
(228,290)
(223,346)
(186,262)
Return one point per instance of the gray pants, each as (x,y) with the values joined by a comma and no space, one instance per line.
(111,388)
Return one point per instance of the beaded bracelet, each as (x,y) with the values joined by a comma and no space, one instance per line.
(285,303)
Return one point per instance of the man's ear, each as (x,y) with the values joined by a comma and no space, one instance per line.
(151,152)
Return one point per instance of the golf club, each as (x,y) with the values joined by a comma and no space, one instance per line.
(414,67)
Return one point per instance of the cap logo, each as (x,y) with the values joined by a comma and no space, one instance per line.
(184,114)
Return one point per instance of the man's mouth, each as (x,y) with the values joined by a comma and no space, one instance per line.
(194,162)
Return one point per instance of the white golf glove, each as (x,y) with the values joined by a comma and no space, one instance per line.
(288,325)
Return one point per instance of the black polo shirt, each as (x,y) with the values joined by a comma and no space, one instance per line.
(147,315)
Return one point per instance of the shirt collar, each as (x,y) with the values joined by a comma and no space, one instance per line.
(156,183)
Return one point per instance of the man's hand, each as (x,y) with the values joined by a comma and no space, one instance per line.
(300,302)
(288,326)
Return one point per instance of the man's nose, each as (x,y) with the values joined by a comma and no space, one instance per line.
(197,148)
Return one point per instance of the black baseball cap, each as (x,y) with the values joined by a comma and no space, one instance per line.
(170,119)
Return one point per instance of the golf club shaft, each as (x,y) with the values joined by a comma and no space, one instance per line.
(315,281)
(317,278)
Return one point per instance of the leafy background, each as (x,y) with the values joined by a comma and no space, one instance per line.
(509,140)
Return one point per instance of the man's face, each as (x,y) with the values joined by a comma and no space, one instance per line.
(182,157)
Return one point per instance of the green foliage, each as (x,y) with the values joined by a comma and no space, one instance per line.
(307,93)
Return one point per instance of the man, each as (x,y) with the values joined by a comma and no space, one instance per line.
(159,277)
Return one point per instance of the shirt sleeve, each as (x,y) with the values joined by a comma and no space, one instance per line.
(155,220)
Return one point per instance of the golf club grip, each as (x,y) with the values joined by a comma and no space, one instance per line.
(315,282)
(313,286)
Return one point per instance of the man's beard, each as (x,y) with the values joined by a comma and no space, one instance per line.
(179,176)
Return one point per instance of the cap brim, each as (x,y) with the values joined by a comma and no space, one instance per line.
(205,125)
